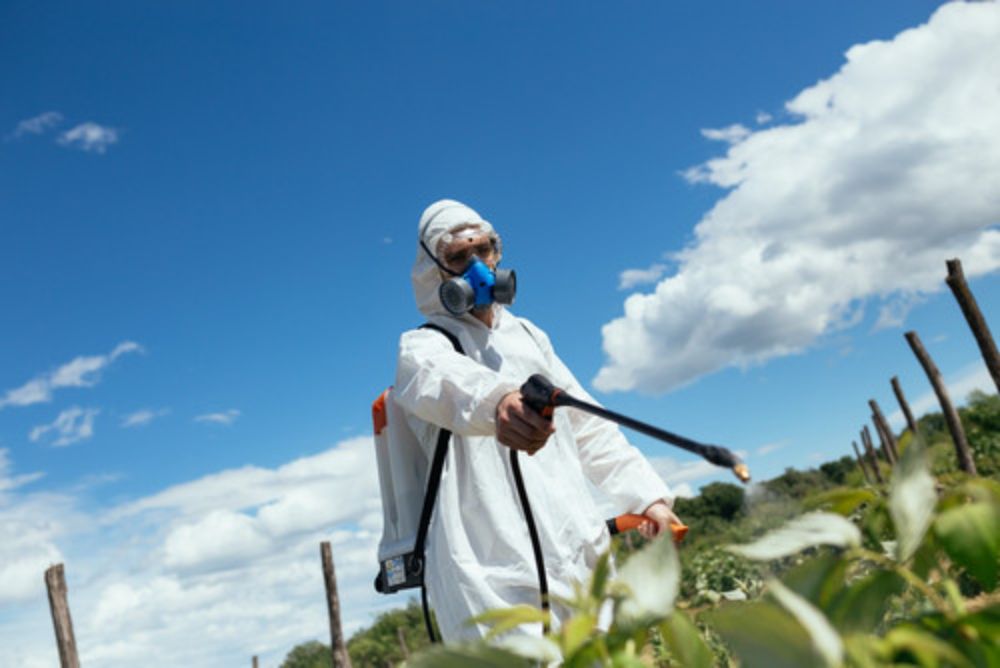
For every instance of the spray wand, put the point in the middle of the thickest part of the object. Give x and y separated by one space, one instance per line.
539 393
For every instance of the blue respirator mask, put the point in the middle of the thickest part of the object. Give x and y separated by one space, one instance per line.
477 287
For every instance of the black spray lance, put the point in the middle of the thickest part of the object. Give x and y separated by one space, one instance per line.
539 393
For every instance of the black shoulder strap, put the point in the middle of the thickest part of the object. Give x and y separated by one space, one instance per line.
451 337
430 494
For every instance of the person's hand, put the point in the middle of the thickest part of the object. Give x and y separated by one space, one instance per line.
660 518
519 426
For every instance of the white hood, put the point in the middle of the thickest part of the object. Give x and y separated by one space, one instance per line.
437 220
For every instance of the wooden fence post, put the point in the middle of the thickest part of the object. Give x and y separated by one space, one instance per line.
901 398
338 649
962 451
403 647
55 582
861 463
866 441
255 662
884 430
988 348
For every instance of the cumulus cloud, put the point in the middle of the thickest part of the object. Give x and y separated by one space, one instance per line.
37 124
142 417
226 417
235 552
89 137
888 169
83 371
763 118
29 523
732 134
71 426
630 278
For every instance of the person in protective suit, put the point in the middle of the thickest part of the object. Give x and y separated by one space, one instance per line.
479 555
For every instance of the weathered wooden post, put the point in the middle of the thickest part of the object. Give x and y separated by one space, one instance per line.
55 582
866 441
255 662
962 451
861 463
403 647
901 398
337 647
885 431
980 330
883 449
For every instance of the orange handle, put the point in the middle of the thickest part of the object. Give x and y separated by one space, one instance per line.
630 521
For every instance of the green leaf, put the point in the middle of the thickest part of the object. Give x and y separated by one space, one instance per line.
818 579
911 500
599 580
843 500
652 577
970 534
684 642
763 635
824 638
463 656
576 631
502 620
808 530
531 647
864 651
861 606
927 649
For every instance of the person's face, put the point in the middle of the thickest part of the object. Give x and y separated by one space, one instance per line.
458 253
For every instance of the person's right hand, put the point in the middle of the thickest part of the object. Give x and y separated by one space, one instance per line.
519 426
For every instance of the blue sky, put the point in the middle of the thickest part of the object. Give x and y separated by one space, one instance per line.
207 219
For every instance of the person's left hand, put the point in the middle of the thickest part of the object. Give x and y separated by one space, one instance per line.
660 518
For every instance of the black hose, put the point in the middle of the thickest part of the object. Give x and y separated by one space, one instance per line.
536 544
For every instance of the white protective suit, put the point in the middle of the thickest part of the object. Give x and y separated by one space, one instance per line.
479 553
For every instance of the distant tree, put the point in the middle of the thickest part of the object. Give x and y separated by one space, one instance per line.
312 654
378 645
722 500
838 470
981 421
797 484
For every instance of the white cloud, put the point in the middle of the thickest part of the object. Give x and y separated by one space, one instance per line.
894 311
83 371
72 425
142 417
889 170
732 134
763 118
89 137
768 448
633 277
676 473
227 417
231 559
37 125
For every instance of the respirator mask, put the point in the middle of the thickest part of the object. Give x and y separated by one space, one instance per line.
478 285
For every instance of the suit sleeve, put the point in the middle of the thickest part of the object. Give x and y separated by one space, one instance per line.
446 388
